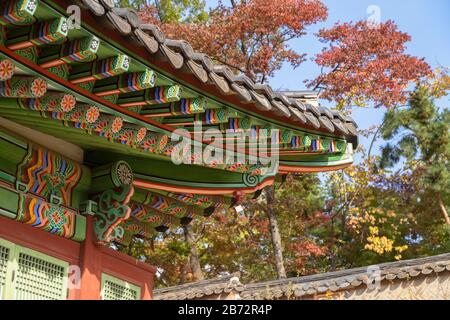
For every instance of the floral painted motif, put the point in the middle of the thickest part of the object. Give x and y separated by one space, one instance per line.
117 125
92 115
141 134
68 102
6 70
38 87
40 214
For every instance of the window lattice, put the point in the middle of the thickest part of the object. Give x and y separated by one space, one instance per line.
4 256
114 291
38 279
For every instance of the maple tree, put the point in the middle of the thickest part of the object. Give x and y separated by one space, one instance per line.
367 65
251 37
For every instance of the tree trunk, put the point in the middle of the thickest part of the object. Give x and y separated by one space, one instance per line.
443 210
194 260
275 233
184 272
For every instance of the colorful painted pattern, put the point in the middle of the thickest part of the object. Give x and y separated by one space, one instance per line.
163 94
61 71
111 67
46 173
137 228
333 147
82 116
81 50
137 81
29 53
265 132
155 143
23 87
18 12
341 146
58 102
131 136
237 124
113 210
188 106
317 145
141 134
108 127
6 69
306 141
149 216
296 142
285 136
167 206
40 214
214 116
51 32
202 201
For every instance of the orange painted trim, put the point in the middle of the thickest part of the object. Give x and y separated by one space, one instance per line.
84 79
206 191
53 63
107 93
21 45
157 115
133 104
284 169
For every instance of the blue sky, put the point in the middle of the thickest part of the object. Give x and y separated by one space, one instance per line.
427 22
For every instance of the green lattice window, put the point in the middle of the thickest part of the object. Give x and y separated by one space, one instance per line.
29 275
4 257
117 289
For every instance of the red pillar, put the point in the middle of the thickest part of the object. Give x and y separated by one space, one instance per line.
91 265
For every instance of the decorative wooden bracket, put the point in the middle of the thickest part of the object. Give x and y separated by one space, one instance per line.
113 188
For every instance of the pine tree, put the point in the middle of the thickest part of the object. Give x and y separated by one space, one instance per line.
422 135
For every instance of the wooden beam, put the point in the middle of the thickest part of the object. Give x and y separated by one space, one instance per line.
76 51
18 12
43 33
127 83
102 69
23 87
157 95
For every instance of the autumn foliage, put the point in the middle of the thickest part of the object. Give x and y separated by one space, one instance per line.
249 36
367 64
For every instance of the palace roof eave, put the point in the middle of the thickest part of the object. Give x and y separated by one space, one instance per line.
135 37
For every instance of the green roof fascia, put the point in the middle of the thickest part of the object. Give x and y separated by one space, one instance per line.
210 185
346 159
164 171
